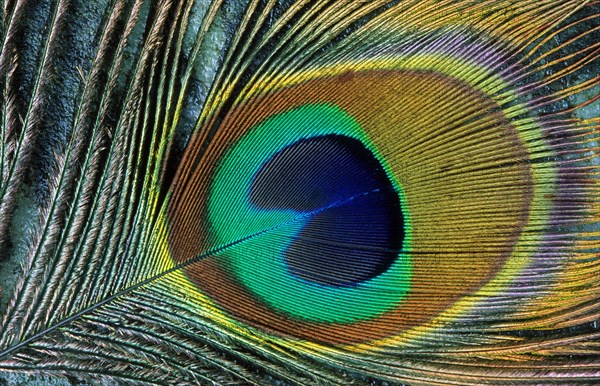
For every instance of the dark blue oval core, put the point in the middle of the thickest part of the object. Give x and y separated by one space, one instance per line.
356 226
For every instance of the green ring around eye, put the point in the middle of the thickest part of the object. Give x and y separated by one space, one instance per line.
259 265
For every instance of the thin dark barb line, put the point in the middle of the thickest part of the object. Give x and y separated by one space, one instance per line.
151 279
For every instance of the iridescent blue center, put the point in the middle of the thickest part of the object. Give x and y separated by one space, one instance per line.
356 225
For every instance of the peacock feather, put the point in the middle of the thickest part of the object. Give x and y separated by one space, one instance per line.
300 192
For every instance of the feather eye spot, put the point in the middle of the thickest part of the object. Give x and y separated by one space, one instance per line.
332 164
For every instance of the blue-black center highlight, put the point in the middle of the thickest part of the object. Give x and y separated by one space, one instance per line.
356 228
